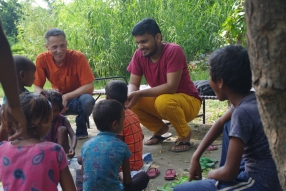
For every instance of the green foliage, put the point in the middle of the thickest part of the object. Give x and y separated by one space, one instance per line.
101 29
201 72
234 27
10 12
31 29
214 110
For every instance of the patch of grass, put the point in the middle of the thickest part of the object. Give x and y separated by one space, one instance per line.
30 89
214 110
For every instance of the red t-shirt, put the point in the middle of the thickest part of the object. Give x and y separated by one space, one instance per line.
172 59
133 137
72 74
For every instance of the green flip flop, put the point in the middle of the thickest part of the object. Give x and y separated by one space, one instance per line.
207 165
167 187
207 160
181 180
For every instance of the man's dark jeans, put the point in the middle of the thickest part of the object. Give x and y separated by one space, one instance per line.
82 107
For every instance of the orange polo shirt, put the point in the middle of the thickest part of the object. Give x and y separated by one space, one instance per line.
72 74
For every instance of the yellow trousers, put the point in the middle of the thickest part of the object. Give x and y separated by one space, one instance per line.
178 109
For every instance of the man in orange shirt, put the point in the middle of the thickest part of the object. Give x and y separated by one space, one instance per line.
69 72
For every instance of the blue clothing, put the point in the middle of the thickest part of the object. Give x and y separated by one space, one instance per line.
20 92
225 145
102 157
246 125
260 171
82 107
242 182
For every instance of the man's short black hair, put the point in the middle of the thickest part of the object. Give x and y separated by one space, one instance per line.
146 25
105 112
231 63
116 89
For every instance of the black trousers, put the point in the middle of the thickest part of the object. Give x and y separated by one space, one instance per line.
139 181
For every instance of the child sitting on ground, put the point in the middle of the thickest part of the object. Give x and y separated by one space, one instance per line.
25 70
29 163
61 126
103 155
132 133
243 136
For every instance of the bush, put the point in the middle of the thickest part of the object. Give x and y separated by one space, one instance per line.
102 29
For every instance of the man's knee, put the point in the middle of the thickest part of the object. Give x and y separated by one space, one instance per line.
87 102
86 99
137 106
163 104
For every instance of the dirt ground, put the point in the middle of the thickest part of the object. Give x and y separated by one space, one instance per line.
162 157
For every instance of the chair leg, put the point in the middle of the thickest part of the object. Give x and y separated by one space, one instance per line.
204 111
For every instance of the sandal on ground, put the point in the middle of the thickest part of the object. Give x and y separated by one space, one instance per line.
207 163
160 138
153 172
182 179
207 160
170 174
178 144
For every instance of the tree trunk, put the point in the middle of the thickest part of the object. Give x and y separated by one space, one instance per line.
266 42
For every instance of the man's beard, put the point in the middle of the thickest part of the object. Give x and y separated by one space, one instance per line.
155 48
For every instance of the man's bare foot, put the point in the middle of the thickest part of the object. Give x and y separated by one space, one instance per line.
157 137
182 144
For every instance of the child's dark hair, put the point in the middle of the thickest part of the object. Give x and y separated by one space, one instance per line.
54 97
231 63
105 112
147 25
117 90
38 112
23 64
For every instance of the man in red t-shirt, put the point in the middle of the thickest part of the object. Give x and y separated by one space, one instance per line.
172 95
69 72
